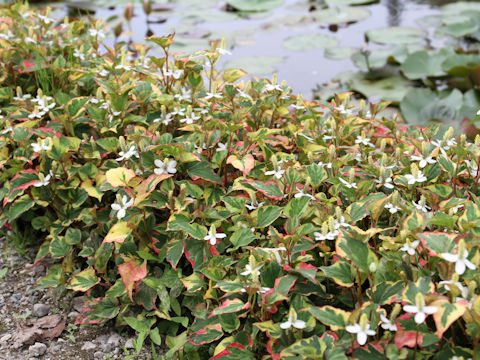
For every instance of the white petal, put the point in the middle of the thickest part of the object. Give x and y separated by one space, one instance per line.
410 308
158 163
121 213
469 264
353 329
371 332
213 240
159 171
129 203
361 338
299 324
116 207
286 325
450 257
430 309
420 317
220 235
460 267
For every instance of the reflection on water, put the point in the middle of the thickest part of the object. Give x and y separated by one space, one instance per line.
395 8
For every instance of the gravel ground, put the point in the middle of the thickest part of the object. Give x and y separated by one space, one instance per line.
22 304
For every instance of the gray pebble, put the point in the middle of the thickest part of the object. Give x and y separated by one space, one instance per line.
98 355
77 303
129 344
40 310
4 339
89 346
37 349
16 297
114 339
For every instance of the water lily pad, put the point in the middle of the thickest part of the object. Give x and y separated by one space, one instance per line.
340 15
430 21
309 41
255 65
350 2
457 26
421 64
460 6
380 57
395 35
338 53
195 16
255 5
189 45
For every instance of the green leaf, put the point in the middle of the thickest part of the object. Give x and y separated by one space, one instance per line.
193 283
309 41
341 272
207 335
266 215
84 280
447 314
438 242
137 325
297 207
310 348
73 236
118 232
202 170
242 237
356 251
340 15
230 306
385 293
421 64
59 247
268 188
181 221
174 251
20 206
395 35
255 5
331 316
317 174
414 221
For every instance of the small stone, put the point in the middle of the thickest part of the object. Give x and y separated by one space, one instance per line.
4 339
40 310
89 346
37 349
98 355
77 303
114 339
129 344
72 315
16 297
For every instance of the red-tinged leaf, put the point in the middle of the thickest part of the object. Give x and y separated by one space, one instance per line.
245 164
437 243
84 280
193 282
447 313
118 232
331 316
307 270
272 329
280 290
120 176
207 335
143 189
230 306
226 351
132 271
407 338
275 140
269 188
21 181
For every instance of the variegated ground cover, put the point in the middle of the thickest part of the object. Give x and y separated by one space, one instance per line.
233 220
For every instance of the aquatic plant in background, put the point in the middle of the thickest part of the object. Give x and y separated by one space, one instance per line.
233 220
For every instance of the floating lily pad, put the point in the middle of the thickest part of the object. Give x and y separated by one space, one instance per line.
340 15
195 16
430 21
421 64
189 45
309 41
380 57
350 2
457 26
255 65
338 53
460 6
395 35
255 5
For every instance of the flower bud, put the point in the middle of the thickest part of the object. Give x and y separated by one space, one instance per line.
395 312
351 175
147 7
128 14
372 267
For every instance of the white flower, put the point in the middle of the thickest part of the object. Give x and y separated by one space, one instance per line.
123 67
271 87
223 51
185 95
364 140
293 321
276 253
340 223
211 95
446 146
165 167
392 208
461 261
190 119
30 40
43 145
122 207
44 182
127 155
362 330
297 107
7 130
387 324
348 184
419 309
213 236
331 235
178 111
45 19
249 270
254 205
423 161
263 290
96 33
221 147
387 182
300 194
36 113
78 54
327 165
175 74
343 110
410 247
165 120
104 72
277 171
421 207
306 137
243 94
412 179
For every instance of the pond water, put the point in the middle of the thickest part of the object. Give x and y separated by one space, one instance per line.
256 40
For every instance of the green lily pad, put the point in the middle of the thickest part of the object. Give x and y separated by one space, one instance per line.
309 41
430 21
457 26
380 57
196 16
340 15
395 35
338 53
460 6
462 65
255 5
421 64
255 65
350 2
422 106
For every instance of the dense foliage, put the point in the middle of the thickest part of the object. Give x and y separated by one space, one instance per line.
237 220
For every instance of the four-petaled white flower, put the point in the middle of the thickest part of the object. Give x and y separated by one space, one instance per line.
461 261
271 87
362 329
410 247
254 205
189 119
249 270
213 236
421 207
43 145
96 33
293 321
423 161
212 95
128 154
277 171
340 223
420 309
165 167
221 147
412 179
165 120
364 140
122 207
387 182
348 184
328 165
243 94
300 194
223 51
123 67
77 53
392 208
387 324
331 235
44 182
175 74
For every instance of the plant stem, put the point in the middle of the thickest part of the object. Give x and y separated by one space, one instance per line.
416 344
